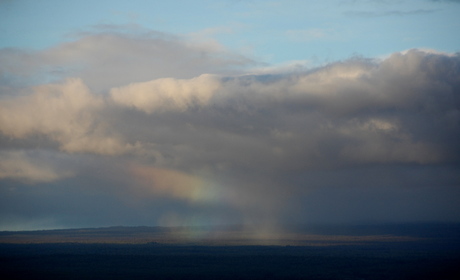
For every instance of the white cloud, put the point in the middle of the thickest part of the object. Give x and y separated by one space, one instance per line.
66 113
167 94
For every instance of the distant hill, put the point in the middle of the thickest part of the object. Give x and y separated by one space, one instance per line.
398 252
239 235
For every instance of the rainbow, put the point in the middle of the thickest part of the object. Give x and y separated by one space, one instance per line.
178 185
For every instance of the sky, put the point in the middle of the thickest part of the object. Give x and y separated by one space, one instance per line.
267 113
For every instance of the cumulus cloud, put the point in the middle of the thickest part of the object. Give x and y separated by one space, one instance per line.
66 113
167 93
348 112
401 109
252 142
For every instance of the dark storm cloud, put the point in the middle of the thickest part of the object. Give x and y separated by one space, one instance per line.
202 146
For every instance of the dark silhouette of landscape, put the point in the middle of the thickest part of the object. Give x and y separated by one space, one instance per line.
414 251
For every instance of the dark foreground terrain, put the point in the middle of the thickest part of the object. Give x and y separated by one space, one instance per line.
417 252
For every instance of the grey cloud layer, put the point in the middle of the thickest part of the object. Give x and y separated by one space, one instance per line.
403 109
174 142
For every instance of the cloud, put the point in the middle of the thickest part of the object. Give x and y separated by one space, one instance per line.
357 111
364 110
66 113
29 168
110 56
166 94
253 147
175 184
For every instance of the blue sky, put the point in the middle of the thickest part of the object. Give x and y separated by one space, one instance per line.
254 112
270 31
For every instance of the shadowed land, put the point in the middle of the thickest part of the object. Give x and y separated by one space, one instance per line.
197 236
239 235
360 252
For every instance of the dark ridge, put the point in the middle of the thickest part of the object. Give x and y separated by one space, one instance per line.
239 235
410 251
